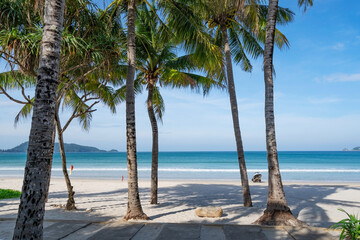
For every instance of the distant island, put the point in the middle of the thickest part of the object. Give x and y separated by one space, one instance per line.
354 149
69 147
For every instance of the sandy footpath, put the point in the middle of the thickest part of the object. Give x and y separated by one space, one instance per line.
102 200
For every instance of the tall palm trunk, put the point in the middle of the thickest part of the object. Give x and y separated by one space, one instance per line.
50 165
155 144
70 204
134 209
235 117
29 222
277 211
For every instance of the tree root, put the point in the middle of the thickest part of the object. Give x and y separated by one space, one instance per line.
70 205
138 216
279 218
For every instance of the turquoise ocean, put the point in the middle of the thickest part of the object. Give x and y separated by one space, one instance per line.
295 166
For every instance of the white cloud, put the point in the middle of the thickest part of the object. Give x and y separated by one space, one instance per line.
323 100
340 77
338 46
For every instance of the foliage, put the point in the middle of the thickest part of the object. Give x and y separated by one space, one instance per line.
245 21
92 48
158 63
8 193
350 226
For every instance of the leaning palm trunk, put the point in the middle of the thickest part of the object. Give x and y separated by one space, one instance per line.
155 145
29 222
235 117
70 204
277 211
134 209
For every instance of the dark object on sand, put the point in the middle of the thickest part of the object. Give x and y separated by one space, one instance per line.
256 177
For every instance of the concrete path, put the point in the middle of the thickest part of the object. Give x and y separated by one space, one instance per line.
78 230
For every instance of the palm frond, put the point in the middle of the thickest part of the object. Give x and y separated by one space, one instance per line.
16 79
24 112
159 105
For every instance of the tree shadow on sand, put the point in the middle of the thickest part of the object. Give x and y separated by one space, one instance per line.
310 203
302 203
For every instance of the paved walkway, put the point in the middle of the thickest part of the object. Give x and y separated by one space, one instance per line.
78 230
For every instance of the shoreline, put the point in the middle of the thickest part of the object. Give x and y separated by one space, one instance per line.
315 203
204 181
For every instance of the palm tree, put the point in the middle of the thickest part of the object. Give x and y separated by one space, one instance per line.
134 210
157 63
237 26
222 20
29 222
82 99
277 210
88 62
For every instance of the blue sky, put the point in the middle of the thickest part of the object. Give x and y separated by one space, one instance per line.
316 97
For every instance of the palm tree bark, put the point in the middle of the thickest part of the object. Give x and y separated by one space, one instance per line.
134 209
70 204
235 117
50 165
29 222
277 211
155 144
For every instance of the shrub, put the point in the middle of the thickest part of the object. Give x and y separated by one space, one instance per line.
350 227
8 193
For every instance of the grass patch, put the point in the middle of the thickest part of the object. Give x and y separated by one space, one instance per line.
8 193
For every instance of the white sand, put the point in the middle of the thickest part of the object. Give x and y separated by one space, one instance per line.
314 203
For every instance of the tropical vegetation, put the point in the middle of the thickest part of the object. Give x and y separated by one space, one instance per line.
88 64
277 211
237 28
159 66
77 55
350 226
40 150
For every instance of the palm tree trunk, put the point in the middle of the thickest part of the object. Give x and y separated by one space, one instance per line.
70 204
277 211
50 165
155 144
134 209
235 117
29 222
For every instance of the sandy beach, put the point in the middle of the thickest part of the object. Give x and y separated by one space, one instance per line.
103 200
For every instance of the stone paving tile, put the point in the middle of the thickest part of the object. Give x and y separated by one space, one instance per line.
62 229
86 232
75 230
276 233
209 232
180 231
233 232
310 234
149 232
7 228
118 231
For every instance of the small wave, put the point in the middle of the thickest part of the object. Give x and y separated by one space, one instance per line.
199 170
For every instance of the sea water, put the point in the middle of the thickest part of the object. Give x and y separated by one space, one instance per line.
294 166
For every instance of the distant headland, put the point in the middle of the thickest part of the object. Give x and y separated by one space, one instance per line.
69 147
354 149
